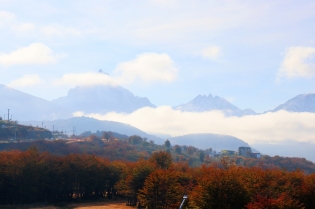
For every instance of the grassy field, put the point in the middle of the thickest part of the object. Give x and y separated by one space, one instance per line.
115 204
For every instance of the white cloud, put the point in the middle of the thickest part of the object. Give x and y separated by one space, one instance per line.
85 79
269 127
23 27
36 53
295 63
148 67
61 31
78 114
27 80
5 17
212 52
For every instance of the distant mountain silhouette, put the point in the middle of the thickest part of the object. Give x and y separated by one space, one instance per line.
300 103
208 103
215 141
24 106
102 99
79 125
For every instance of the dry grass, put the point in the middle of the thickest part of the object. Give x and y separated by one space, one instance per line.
115 204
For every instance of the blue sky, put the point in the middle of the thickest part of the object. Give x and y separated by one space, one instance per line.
255 54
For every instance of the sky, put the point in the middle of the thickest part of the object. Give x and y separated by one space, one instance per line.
254 54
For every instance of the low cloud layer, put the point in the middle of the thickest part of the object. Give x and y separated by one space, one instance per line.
297 62
36 53
270 127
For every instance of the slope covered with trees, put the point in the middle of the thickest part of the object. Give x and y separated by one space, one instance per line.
13 130
31 176
135 147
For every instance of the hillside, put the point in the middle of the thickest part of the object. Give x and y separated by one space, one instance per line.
134 148
27 107
214 141
79 125
12 130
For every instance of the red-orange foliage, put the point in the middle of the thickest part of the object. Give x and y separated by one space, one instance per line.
161 190
282 202
219 188
31 176
161 159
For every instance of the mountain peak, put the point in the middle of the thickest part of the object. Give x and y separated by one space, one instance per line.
203 103
299 103
102 99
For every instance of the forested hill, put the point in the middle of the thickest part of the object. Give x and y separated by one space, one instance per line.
12 130
134 148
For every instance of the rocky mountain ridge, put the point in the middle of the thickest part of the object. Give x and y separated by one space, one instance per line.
104 99
203 103
299 103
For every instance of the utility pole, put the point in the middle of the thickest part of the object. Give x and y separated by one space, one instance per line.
53 133
8 115
15 132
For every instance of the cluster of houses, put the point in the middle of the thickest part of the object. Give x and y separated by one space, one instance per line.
242 151
247 152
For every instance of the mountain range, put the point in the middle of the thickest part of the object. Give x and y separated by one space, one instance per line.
87 99
29 109
103 99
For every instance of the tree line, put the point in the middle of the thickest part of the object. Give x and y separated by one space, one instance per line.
133 148
157 182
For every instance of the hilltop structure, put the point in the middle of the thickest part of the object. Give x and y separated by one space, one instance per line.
247 152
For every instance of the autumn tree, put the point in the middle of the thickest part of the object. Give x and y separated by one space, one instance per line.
135 139
219 189
161 159
132 180
201 156
307 194
167 143
161 190
177 149
107 135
